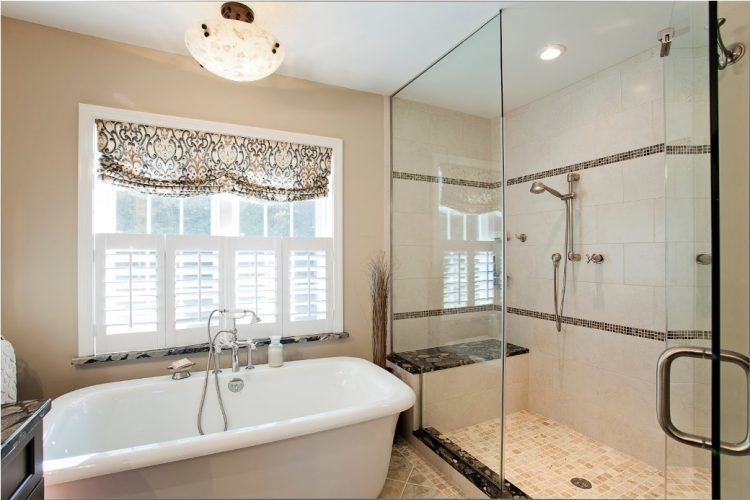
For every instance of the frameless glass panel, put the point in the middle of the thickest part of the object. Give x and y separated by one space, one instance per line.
688 244
447 242
584 195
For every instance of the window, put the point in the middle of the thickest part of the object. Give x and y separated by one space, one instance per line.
468 276
484 278
455 280
161 264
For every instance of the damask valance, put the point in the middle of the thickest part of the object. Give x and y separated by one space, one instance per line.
176 162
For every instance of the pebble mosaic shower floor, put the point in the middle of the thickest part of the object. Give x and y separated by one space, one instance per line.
543 456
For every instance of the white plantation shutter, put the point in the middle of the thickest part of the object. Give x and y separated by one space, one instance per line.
129 284
155 291
195 280
455 279
256 283
308 277
484 277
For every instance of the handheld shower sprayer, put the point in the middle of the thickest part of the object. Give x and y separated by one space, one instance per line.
232 315
538 187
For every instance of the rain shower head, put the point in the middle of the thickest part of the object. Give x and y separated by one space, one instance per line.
539 187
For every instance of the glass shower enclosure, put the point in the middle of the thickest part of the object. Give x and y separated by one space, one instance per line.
490 145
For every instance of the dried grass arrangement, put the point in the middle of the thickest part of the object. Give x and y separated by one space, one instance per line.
380 288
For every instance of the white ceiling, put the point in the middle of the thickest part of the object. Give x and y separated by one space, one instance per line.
370 46
377 47
596 34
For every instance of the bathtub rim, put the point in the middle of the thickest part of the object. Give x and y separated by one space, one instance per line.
94 464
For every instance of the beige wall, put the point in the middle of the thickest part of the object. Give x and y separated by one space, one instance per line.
45 74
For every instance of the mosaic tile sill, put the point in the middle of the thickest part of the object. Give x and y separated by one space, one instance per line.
18 419
472 469
195 349
451 356
446 312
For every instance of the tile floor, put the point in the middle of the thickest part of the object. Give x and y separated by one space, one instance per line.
409 476
543 455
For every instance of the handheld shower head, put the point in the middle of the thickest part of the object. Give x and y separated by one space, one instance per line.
235 314
538 187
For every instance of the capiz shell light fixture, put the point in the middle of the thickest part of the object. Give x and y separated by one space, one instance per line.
233 47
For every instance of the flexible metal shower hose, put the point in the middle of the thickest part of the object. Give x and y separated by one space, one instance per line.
555 265
216 378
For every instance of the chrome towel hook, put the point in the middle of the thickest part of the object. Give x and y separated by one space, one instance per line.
727 55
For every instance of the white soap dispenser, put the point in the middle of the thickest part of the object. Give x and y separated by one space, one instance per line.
275 352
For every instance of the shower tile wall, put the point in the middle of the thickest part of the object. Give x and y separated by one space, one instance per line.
432 221
598 382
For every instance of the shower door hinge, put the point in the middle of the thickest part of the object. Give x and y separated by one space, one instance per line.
665 37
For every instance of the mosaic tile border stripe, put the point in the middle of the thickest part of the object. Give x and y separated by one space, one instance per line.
687 149
447 180
597 162
195 349
481 476
598 325
621 329
671 149
689 335
446 312
608 160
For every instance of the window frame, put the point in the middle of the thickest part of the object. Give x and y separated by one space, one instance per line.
87 114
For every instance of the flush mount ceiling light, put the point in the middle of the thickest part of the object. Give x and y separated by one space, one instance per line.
233 47
551 52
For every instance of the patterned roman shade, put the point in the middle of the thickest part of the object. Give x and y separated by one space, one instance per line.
177 162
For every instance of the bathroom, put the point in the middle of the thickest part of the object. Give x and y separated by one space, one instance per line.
411 250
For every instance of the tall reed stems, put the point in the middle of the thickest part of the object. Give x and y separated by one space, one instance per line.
380 287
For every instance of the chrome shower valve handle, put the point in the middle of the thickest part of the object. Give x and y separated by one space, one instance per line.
596 258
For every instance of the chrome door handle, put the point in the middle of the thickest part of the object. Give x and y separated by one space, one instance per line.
663 408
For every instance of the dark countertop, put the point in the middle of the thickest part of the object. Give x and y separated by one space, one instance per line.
453 355
18 418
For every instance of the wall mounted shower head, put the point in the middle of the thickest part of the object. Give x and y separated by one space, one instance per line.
539 187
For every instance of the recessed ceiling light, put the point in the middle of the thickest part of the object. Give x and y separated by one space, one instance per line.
550 52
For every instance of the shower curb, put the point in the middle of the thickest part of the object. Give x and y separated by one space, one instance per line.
481 476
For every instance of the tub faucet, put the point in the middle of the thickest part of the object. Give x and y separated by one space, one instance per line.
234 343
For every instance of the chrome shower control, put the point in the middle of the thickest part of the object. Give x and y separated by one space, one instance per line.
596 258
703 259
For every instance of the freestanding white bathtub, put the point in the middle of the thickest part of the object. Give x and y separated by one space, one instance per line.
318 428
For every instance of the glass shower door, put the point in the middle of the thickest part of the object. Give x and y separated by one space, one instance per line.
702 393
688 247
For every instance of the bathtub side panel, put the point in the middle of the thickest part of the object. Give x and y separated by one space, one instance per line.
348 462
